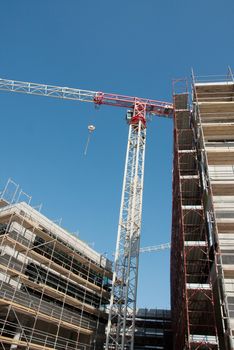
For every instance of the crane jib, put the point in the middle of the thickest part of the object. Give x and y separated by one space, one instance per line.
98 98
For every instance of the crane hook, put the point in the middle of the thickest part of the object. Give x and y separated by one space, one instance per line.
91 129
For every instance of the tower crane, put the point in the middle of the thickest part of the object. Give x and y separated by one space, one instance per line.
120 333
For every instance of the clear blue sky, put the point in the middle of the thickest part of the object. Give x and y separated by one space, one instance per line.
133 47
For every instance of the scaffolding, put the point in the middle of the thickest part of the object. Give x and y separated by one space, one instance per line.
214 117
53 287
192 299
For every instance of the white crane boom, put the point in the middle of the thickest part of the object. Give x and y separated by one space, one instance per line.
155 248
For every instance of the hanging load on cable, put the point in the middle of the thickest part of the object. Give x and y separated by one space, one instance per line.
91 129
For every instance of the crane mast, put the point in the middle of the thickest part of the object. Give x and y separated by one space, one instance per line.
121 320
121 325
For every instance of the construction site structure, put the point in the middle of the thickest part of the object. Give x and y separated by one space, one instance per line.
153 329
202 247
53 287
120 332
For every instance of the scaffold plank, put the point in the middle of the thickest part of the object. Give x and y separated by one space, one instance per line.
21 343
51 291
47 262
29 311
5 217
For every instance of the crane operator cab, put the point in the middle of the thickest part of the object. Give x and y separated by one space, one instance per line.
129 115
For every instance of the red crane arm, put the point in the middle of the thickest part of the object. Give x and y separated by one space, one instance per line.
152 106
99 98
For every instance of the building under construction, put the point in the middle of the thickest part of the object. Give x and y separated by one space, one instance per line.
53 287
202 253
153 329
